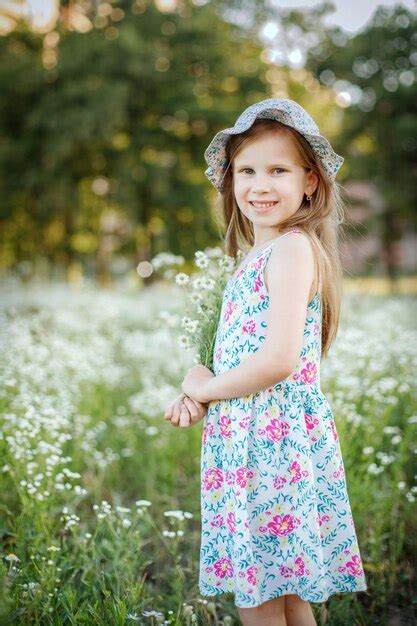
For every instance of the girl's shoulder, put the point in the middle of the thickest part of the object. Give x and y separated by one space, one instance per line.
293 255
295 240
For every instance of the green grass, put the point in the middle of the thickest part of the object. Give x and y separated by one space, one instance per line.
87 377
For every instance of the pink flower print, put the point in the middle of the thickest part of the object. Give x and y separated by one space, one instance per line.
223 567
309 373
339 473
256 283
281 525
230 477
333 427
279 482
285 571
219 353
316 329
310 421
295 472
213 478
276 430
217 521
300 566
354 566
225 426
245 422
251 574
249 327
230 307
322 519
295 376
231 521
207 431
242 474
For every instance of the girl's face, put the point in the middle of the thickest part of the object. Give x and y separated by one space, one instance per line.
269 183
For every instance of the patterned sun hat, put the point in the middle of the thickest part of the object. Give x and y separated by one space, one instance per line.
284 110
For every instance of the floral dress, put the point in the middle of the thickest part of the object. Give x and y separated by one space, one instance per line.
275 512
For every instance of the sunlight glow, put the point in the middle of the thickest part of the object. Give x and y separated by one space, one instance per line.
166 6
42 14
270 30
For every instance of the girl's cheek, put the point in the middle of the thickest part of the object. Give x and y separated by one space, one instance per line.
238 189
241 193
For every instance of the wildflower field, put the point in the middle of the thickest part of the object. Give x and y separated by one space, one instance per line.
100 503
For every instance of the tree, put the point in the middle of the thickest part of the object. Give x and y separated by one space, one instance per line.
116 120
375 73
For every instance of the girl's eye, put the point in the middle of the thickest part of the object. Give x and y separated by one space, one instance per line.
248 169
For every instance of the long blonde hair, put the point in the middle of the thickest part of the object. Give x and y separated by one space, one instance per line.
320 221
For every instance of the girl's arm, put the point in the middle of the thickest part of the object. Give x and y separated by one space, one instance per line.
291 275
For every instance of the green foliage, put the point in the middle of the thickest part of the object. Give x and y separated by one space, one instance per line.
136 109
82 420
379 129
103 132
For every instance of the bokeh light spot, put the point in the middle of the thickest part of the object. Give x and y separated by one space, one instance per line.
144 269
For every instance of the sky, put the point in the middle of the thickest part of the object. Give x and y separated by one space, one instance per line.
351 15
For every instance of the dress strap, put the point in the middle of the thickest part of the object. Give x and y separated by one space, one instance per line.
294 230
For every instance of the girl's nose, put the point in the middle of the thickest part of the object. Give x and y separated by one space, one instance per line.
259 185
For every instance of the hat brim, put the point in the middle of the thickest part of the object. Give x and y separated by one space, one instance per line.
215 154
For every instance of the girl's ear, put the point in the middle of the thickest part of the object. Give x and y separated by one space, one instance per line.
311 182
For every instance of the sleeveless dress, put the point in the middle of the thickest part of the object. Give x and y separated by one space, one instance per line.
275 512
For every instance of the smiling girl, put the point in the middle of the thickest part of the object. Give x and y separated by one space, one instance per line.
277 527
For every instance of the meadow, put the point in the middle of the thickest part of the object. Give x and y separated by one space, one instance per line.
100 507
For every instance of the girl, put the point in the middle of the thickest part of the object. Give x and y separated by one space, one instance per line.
277 528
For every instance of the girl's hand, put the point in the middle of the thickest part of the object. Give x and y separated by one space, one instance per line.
185 412
195 382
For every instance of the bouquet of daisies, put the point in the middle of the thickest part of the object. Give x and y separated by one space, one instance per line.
204 289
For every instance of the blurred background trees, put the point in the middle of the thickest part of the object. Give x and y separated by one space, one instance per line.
106 111
378 68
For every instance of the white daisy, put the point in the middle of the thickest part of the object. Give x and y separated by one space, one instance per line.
182 279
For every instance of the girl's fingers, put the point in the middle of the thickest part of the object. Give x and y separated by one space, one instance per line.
199 405
176 413
196 412
192 409
168 412
184 416
184 411
201 410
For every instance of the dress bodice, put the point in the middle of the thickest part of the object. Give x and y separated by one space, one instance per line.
244 320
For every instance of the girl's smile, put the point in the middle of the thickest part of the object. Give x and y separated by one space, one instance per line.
263 207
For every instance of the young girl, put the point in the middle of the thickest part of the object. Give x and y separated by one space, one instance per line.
277 528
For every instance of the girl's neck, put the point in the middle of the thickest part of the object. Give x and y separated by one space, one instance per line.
260 244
